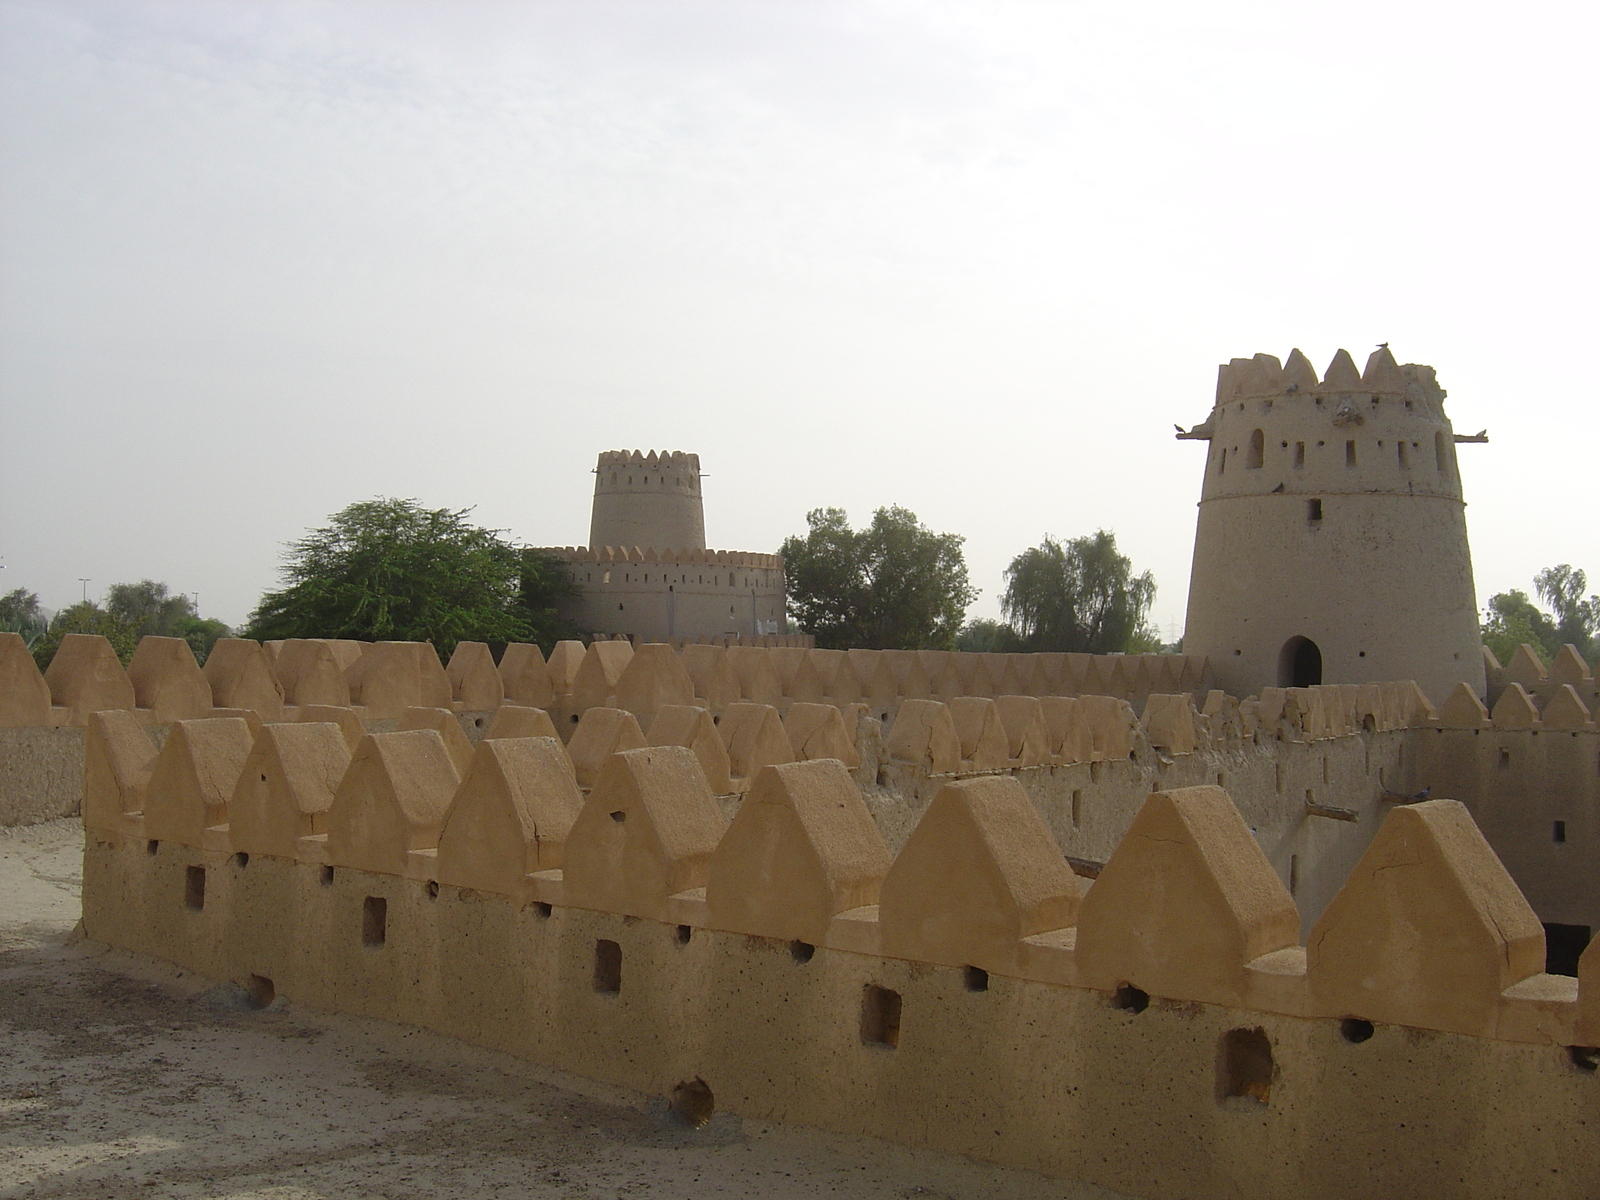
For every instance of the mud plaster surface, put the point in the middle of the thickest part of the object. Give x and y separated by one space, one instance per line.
123 1077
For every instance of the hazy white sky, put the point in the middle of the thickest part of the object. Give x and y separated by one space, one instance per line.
261 260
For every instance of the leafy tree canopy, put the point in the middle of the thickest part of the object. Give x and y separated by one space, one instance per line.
19 607
148 608
895 585
981 635
1079 596
1513 618
20 613
86 617
392 570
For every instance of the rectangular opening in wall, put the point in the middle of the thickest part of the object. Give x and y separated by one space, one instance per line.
1349 454
374 921
1244 1066
880 1016
1558 833
607 967
1404 460
1563 946
1505 760
1314 511
1077 807
1294 874
1300 455
194 888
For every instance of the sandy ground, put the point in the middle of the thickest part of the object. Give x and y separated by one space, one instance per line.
124 1077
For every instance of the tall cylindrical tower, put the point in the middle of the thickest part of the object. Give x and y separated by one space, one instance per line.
1331 545
651 501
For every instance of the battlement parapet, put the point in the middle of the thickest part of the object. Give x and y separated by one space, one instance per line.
648 831
669 557
674 460
1264 377
639 935
384 679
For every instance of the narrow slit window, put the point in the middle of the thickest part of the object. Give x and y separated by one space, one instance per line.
1349 454
194 888
880 1016
1314 511
607 967
374 921
1300 455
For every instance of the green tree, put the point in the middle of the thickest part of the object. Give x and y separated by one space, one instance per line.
1079 596
392 570
148 608
20 613
543 591
1513 618
201 633
895 585
1577 618
984 636
86 617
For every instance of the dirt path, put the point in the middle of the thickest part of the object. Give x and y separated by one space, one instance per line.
121 1077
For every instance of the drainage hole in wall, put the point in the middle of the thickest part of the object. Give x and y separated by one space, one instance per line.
433 889
1585 1058
1354 1029
1130 999
241 860
685 932
619 816
880 1016
1244 1065
975 978
194 888
327 876
151 846
693 1104
607 967
543 909
801 952
259 992
374 921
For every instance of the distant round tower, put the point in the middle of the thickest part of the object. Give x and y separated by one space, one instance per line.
650 501
1331 545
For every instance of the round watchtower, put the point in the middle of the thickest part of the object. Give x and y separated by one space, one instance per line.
651 501
1331 544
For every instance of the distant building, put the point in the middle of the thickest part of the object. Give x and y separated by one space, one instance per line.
646 572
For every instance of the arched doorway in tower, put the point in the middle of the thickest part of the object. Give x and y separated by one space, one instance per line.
1299 663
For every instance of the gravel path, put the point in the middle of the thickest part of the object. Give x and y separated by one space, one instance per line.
122 1077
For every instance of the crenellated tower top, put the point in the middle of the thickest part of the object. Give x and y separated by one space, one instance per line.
648 500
